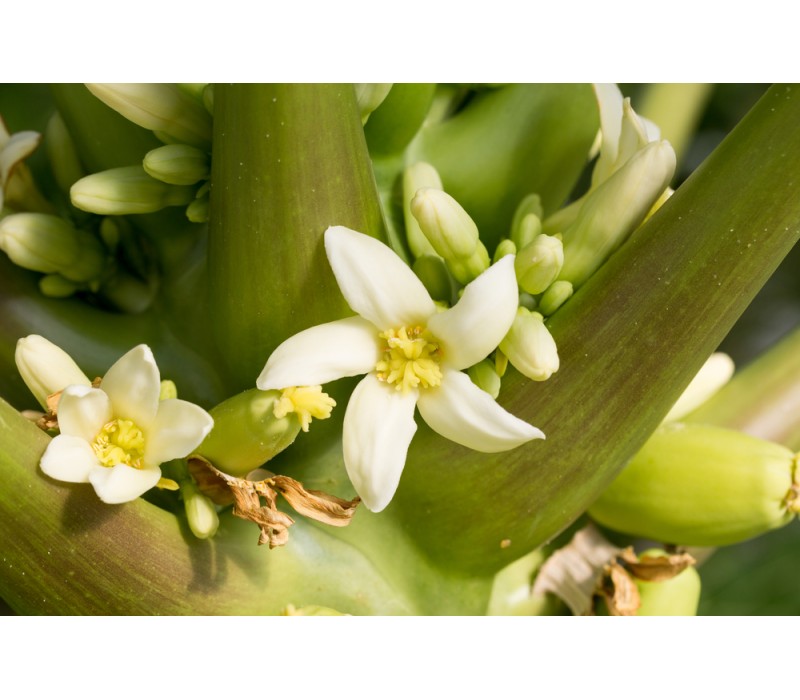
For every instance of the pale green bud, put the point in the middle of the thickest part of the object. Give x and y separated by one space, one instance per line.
537 265
61 153
45 368
369 97
128 190
433 274
56 286
530 347
529 229
168 390
197 211
110 231
612 211
484 375
178 164
39 242
554 296
532 204
467 269
679 595
504 247
158 107
200 511
447 226
246 432
416 177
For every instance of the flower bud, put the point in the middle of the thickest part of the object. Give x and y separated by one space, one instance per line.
158 107
200 511
90 262
701 485
415 178
45 368
369 97
246 432
504 247
448 228
56 286
168 390
530 226
484 375
61 153
537 265
178 164
614 209
713 375
532 204
530 347
128 190
39 242
433 274
554 296
679 595
197 211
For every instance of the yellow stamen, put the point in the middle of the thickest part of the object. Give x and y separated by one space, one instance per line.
306 401
410 359
120 442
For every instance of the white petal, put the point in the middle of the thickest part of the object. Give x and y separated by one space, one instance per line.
321 354
378 427
376 283
83 411
713 375
481 318
121 483
133 384
68 458
178 429
465 414
609 101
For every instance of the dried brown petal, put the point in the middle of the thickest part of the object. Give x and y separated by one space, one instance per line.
620 592
318 505
656 568
210 480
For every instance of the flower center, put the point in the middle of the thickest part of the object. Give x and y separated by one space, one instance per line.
120 441
410 359
306 401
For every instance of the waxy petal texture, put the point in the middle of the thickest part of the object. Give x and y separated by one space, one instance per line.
178 429
133 384
83 411
69 458
378 427
121 483
465 414
376 283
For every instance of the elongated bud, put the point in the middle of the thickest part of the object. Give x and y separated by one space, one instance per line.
451 232
56 286
369 97
416 177
39 242
537 265
532 204
713 375
197 211
62 154
504 247
128 190
45 368
679 595
612 211
158 107
530 347
433 274
554 296
200 511
178 164
484 375
528 229
701 485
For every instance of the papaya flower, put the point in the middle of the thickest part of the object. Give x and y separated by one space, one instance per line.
412 355
117 436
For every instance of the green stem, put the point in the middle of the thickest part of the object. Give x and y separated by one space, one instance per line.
630 341
289 161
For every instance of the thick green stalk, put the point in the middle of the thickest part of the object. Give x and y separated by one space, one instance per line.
630 341
288 161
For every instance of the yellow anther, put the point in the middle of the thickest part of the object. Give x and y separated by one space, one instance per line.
410 359
306 401
120 442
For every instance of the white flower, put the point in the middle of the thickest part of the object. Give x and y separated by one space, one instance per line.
412 356
117 436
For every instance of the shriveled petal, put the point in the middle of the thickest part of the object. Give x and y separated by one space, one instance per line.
320 354
376 283
178 429
465 414
481 318
69 458
121 483
378 427
133 384
83 411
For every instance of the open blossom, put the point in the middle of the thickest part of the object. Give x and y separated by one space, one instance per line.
117 435
412 355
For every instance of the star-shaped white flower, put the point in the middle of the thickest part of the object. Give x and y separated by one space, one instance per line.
116 436
412 355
